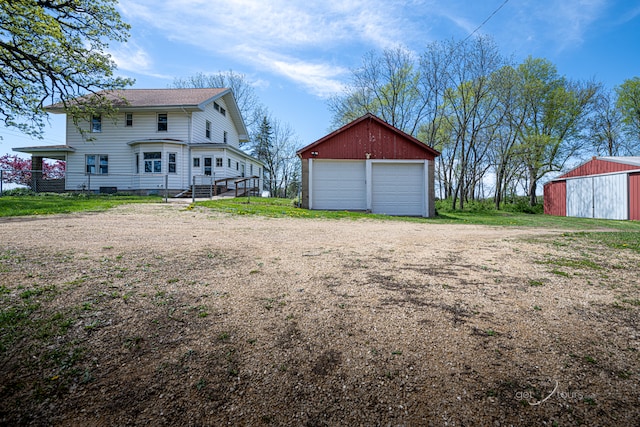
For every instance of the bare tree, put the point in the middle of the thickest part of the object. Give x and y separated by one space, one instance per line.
606 127
244 93
386 85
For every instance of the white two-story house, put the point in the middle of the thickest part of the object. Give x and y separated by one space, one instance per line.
160 139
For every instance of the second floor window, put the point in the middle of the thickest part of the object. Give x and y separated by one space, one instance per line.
96 124
224 136
162 122
128 119
207 129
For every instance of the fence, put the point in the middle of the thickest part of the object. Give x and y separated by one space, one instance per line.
36 181
204 186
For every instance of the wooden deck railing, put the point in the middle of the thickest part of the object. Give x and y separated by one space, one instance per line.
243 189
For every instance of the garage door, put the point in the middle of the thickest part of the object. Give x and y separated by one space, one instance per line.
398 189
338 184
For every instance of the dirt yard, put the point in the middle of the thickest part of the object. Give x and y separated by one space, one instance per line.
161 315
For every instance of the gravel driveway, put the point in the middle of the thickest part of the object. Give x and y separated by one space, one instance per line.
178 316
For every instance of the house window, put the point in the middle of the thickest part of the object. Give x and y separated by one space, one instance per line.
224 136
251 169
218 162
242 171
153 162
196 162
97 164
96 124
223 111
162 122
216 106
172 163
237 166
207 129
128 119
137 162
228 163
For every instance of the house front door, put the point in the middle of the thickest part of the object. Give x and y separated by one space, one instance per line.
208 165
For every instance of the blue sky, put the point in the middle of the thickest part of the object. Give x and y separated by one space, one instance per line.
297 54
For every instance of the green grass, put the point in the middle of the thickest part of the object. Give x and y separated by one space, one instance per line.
285 208
46 204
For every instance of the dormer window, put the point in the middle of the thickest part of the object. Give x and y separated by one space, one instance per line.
96 124
162 122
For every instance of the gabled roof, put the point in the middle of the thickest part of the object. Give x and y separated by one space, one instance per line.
370 117
185 99
602 166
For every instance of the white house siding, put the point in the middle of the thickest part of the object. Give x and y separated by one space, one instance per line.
113 140
601 196
219 124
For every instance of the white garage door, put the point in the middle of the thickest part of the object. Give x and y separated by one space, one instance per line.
338 184
398 189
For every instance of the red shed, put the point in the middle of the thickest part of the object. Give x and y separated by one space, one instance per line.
369 165
603 187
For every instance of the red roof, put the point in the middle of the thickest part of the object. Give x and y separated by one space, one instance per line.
368 137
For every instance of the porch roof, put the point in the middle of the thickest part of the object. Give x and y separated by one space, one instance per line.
56 152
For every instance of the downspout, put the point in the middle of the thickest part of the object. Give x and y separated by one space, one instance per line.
190 118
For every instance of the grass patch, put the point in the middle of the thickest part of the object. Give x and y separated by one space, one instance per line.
46 203
285 208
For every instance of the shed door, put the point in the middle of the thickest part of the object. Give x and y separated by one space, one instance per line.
338 184
398 189
610 196
603 197
580 197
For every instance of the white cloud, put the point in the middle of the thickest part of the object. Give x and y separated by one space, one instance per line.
290 39
130 57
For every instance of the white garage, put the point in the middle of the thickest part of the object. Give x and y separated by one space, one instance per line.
371 166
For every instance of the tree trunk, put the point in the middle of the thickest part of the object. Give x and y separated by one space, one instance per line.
533 187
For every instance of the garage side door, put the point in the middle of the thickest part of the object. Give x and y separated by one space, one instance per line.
338 185
398 189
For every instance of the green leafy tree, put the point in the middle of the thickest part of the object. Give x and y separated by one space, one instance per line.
629 104
554 114
55 51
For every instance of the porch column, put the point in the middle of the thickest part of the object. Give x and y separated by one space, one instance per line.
36 172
